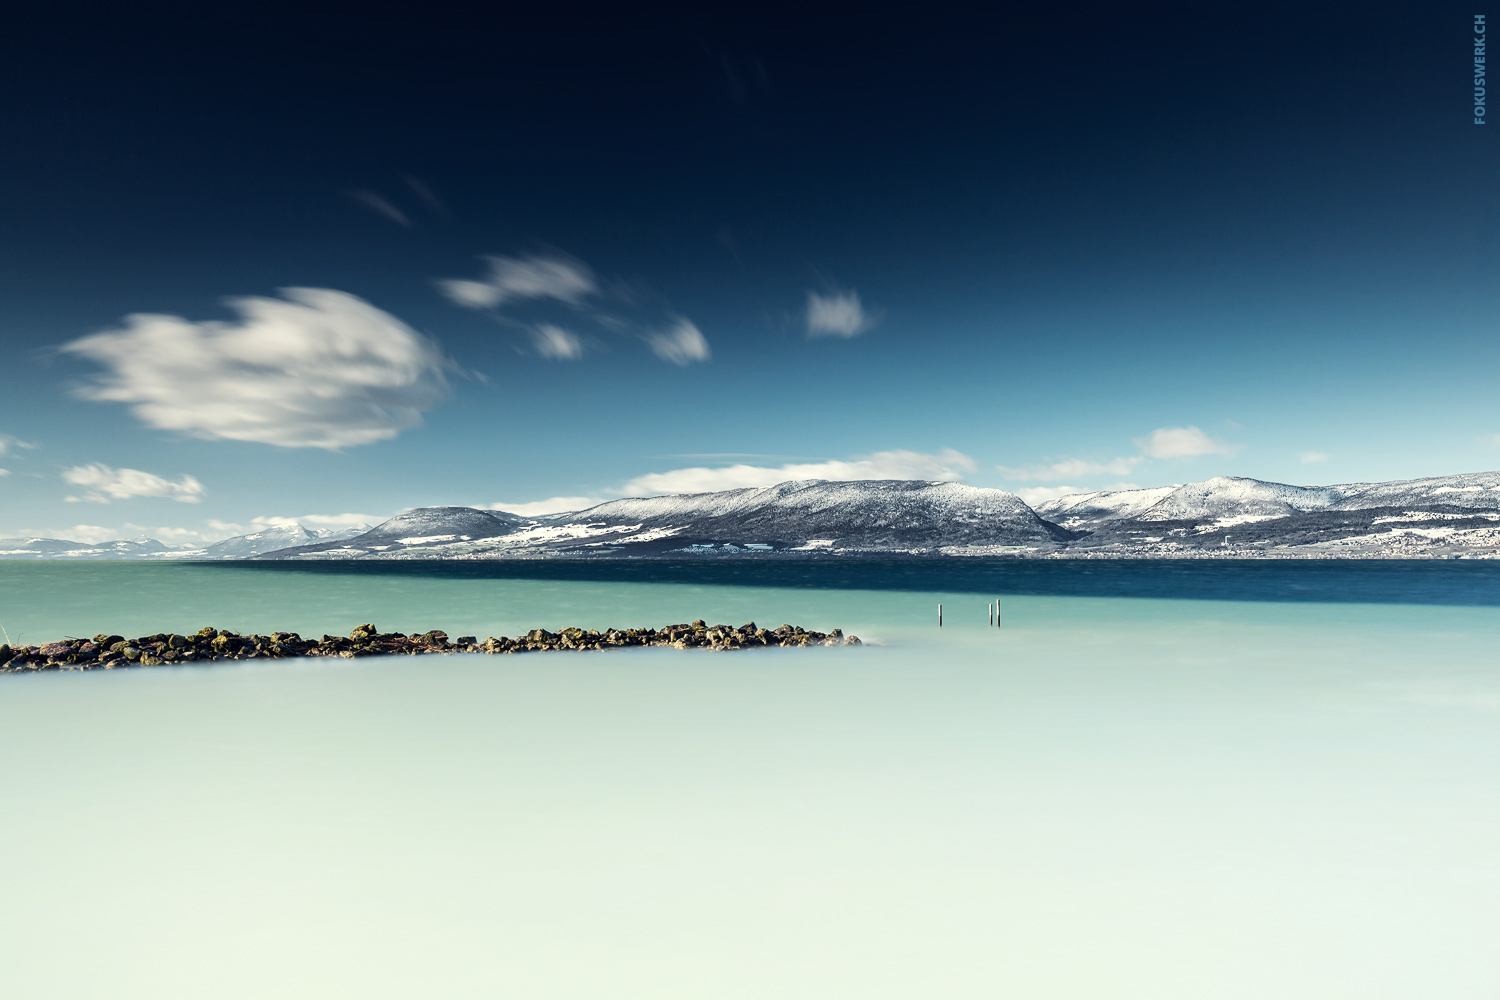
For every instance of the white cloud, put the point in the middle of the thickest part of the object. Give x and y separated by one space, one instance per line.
1070 468
317 369
517 278
681 345
89 534
105 484
4 472
556 343
318 521
1164 442
946 466
1034 495
1181 442
172 536
1493 440
1308 457
839 314
552 505
570 281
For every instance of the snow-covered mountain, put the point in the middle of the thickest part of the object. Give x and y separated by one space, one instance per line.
238 547
1233 496
801 516
879 514
282 536
59 548
1229 516
1440 516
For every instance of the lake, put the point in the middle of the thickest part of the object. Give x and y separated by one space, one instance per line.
1155 780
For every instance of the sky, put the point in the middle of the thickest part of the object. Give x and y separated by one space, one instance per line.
325 263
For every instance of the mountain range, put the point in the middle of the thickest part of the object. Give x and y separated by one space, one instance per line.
1441 517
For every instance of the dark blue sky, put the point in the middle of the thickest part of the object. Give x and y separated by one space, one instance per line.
1054 248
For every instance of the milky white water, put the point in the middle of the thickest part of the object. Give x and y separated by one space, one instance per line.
1108 797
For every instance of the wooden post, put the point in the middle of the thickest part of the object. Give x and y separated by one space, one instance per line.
940 616
997 612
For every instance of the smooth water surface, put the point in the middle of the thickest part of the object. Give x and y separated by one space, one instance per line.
1108 797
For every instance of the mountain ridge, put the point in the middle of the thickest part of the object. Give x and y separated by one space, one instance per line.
1226 516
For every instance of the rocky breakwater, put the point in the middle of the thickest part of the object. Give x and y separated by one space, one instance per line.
108 652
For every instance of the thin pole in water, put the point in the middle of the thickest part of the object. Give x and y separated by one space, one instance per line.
997 612
991 609
940 616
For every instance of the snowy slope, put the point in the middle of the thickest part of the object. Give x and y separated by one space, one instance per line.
1234 496
1077 508
1475 491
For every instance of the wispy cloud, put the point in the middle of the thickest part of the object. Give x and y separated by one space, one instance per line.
1493 440
519 278
317 369
554 342
945 466
1308 457
426 195
103 484
681 345
381 206
1181 442
838 314
552 505
9 444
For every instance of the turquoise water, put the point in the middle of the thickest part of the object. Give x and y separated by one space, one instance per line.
1109 797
